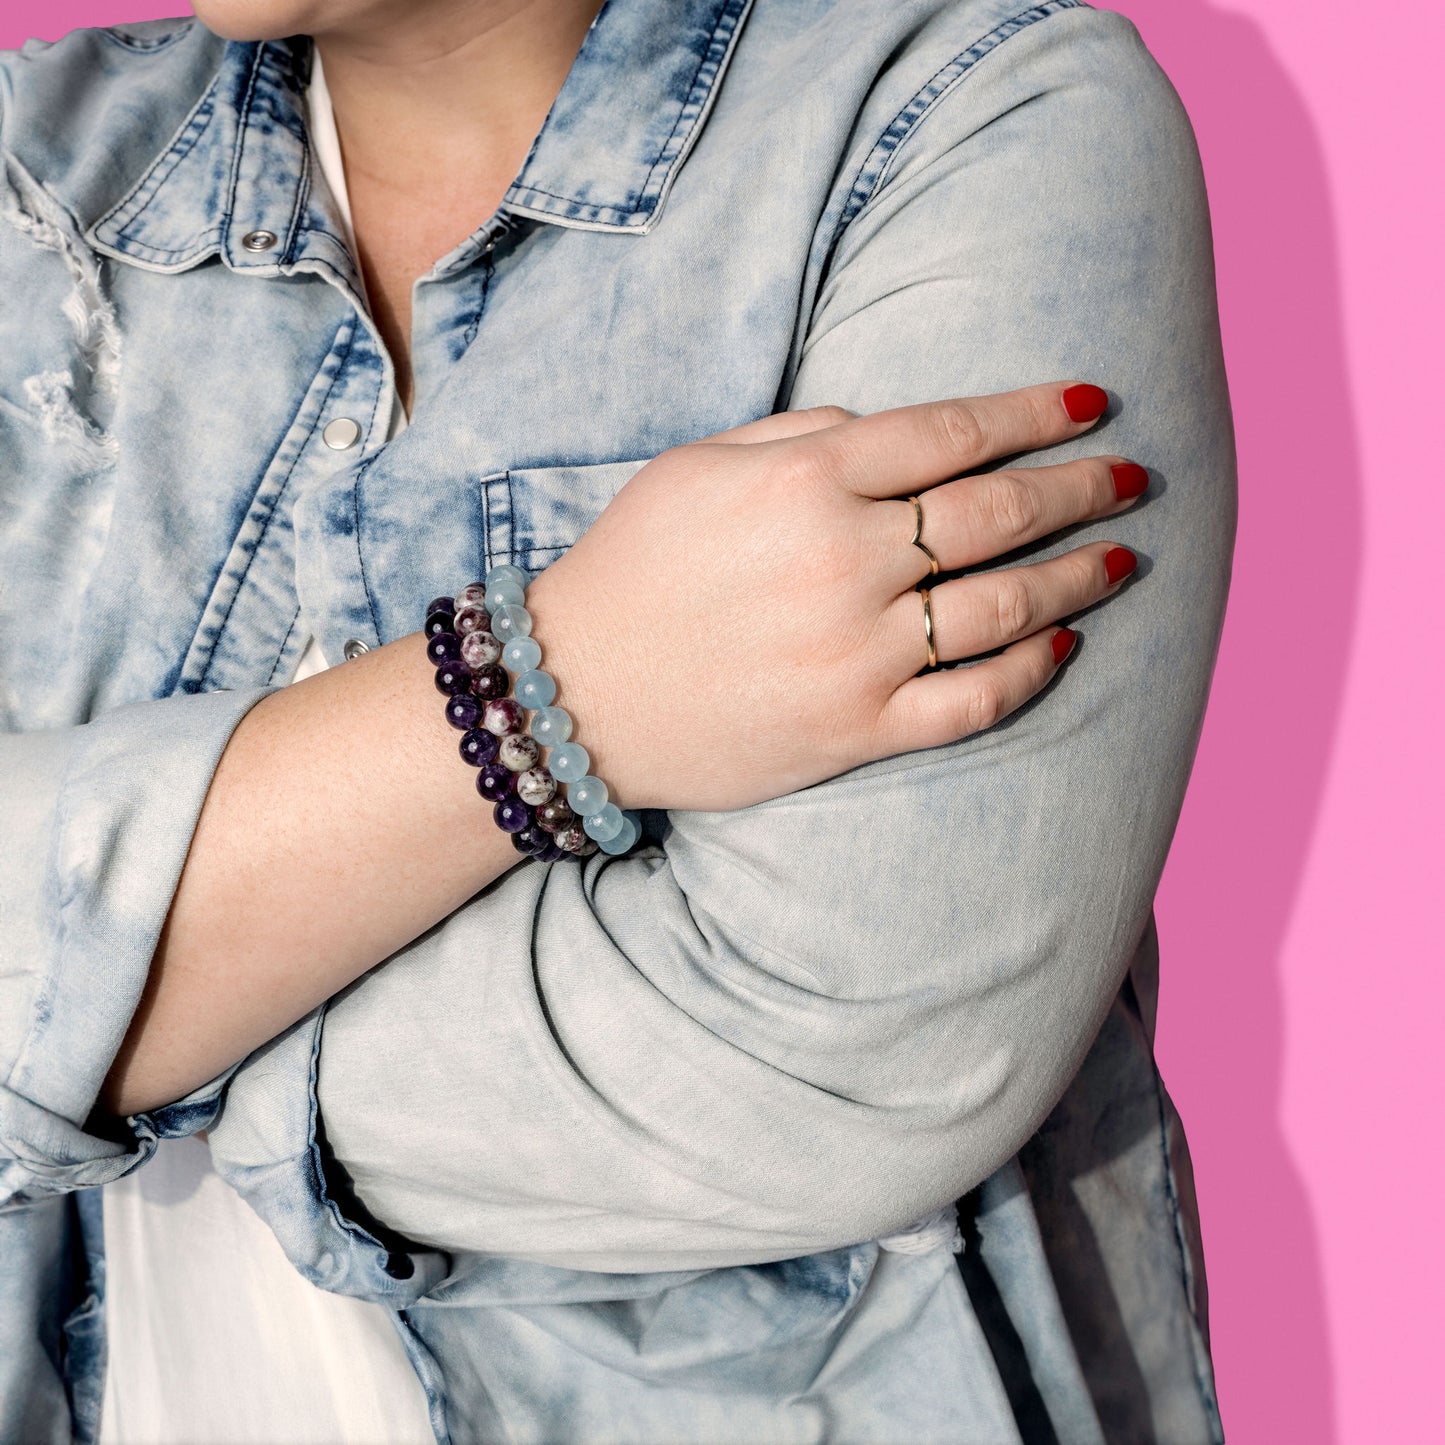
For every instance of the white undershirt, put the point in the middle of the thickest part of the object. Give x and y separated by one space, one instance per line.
214 1338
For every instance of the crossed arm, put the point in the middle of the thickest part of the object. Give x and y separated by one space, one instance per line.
806 1022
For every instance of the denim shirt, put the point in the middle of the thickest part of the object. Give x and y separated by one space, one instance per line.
615 1143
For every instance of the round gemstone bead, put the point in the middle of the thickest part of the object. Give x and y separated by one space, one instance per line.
454 677
489 681
587 795
521 654
442 604
572 838
438 622
604 824
474 594
535 689
478 746
553 854
505 592
531 840
536 785
505 569
511 621
463 711
495 781
519 752
551 725
554 814
480 649
588 848
627 835
512 815
568 761
444 647
503 715
471 619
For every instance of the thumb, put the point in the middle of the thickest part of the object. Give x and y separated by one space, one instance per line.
782 424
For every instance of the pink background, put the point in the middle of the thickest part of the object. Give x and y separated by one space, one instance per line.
1301 987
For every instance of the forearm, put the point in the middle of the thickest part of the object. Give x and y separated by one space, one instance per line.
340 825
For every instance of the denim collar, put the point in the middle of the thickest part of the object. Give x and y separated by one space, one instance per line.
632 105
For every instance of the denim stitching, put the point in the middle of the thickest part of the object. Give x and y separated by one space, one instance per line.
117 36
158 172
271 677
474 325
906 121
298 209
485 483
580 210
512 548
243 121
316 1175
356 481
271 512
1206 1394
710 59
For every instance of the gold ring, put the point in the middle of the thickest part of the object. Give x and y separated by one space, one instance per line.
915 539
928 626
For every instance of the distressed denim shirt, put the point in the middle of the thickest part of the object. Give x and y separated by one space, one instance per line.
615 1143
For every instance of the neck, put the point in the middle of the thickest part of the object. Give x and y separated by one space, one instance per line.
436 107
423 91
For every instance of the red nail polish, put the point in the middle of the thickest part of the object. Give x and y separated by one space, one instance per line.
1129 480
1064 640
1085 402
1119 562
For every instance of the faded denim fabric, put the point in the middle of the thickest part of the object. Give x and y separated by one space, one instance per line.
616 1143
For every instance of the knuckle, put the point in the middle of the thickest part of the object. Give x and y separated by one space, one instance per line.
983 704
1014 604
806 462
828 414
959 428
1013 506
1043 412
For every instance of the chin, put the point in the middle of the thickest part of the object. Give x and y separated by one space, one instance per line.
273 19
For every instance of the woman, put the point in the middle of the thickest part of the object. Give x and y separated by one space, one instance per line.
662 1146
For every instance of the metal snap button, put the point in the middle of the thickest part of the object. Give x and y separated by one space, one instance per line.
341 433
352 648
258 240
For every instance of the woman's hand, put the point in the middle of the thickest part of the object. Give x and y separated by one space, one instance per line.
742 620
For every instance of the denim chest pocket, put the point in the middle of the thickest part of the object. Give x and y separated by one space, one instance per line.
534 514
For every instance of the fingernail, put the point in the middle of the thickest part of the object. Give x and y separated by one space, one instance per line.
1129 480
1085 402
1119 562
1064 640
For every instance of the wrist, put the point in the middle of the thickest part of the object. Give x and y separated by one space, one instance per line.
595 685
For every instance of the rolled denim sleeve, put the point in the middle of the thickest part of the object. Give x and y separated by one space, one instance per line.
95 823
789 1027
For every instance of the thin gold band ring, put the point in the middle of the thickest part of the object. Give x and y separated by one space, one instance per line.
928 626
916 538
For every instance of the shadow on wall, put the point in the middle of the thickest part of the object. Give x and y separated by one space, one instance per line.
1230 888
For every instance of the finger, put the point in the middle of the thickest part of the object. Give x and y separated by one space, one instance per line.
783 424
973 615
893 453
942 707
974 519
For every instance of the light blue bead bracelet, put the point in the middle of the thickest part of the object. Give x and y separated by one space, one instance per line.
585 819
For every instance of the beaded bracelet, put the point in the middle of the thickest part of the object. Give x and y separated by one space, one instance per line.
475 639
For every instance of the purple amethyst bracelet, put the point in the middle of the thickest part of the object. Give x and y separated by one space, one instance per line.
473 639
